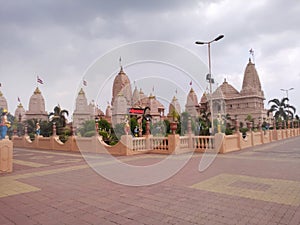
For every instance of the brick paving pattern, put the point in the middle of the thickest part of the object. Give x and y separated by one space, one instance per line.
260 185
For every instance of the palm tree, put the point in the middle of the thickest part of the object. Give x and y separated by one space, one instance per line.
281 109
205 117
58 116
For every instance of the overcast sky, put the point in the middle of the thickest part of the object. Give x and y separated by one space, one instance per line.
58 40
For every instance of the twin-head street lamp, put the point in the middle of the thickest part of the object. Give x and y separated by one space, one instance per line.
209 76
287 92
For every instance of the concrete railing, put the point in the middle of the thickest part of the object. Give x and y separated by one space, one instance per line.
159 143
139 144
237 142
172 144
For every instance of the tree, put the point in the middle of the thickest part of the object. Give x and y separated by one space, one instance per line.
205 117
174 115
87 129
59 116
184 122
281 109
104 125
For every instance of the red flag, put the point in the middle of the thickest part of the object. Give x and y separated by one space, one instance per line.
191 82
0 85
19 100
84 82
39 80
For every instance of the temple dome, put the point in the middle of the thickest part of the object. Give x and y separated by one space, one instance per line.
3 102
122 86
20 113
120 105
108 111
174 106
203 102
83 111
192 99
36 109
135 96
203 98
218 93
192 106
81 102
251 82
228 90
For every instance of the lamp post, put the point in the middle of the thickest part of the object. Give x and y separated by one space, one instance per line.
287 95
209 76
287 92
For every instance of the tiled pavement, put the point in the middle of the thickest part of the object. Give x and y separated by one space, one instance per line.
260 185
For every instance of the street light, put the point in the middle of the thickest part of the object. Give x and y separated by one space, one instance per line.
287 92
209 76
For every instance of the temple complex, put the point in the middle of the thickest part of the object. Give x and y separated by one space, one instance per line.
226 100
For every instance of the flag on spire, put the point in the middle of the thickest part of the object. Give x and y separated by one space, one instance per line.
84 82
251 51
19 100
191 83
39 80
0 84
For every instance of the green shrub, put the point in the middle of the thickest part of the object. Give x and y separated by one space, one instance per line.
90 133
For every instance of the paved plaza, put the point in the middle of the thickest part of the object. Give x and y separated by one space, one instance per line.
260 185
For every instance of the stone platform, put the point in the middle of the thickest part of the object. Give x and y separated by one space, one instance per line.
259 185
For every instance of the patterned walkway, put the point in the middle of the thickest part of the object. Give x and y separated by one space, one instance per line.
260 185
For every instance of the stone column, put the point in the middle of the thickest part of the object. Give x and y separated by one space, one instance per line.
54 130
249 126
26 130
126 140
189 128
237 126
173 143
6 155
73 131
259 125
97 128
147 127
173 127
